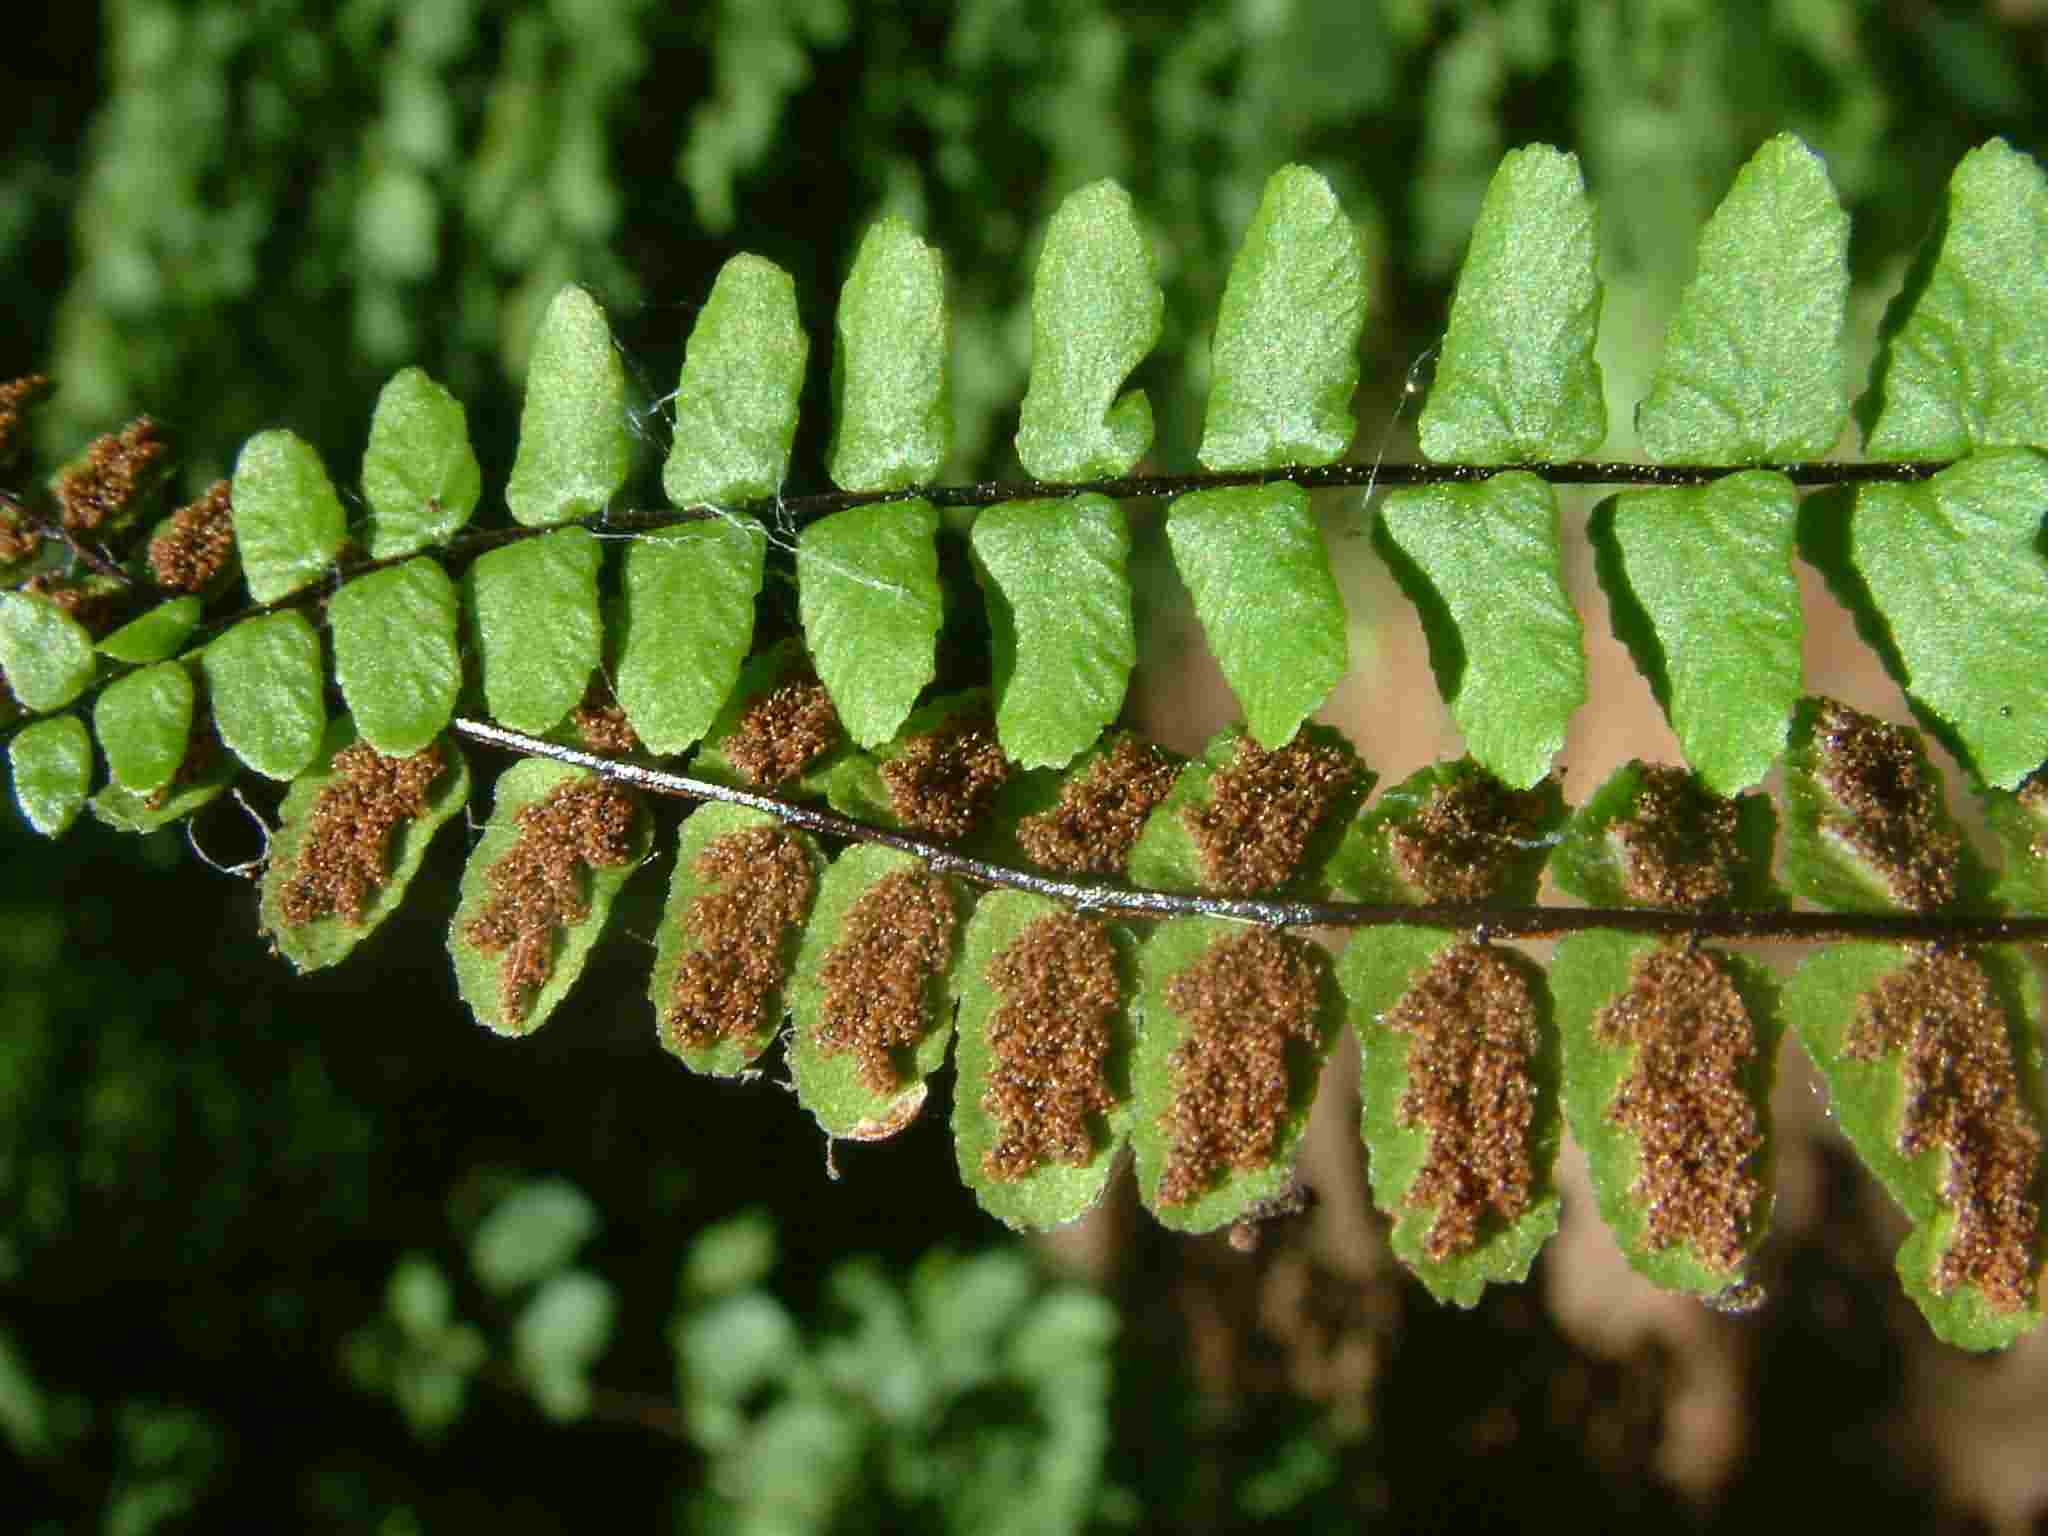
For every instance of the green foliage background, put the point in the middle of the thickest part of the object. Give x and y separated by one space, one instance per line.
243 215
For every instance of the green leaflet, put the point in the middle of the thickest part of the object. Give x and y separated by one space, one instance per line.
688 623
574 451
891 425
1377 970
1899 850
266 688
45 654
394 654
539 634
1590 972
1753 370
1700 585
1481 564
476 969
1449 832
328 940
420 476
1056 1192
1096 309
289 523
143 721
1235 1194
1061 634
1634 839
1828 1001
858 785
52 762
1965 360
1253 559
1516 381
1947 583
782 665
126 810
1285 357
155 635
2019 823
682 934
736 407
829 1083
1083 820
1168 857
868 591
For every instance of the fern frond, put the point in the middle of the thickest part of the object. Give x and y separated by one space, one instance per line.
1134 977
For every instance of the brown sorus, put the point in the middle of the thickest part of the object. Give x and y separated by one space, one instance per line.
896 938
116 469
17 398
196 543
942 781
96 601
1962 1095
1049 1038
601 722
1244 1001
538 885
757 887
1894 821
344 853
1679 846
1472 1021
19 538
1261 811
784 731
1100 812
1462 843
1696 1131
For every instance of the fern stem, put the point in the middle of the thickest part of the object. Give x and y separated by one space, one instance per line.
1538 922
794 512
1369 477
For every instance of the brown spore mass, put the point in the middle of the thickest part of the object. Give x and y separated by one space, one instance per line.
105 483
1680 846
784 731
1247 998
1263 808
942 782
537 886
96 601
1962 1094
896 938
1894 817
1472 1022
1696 1131
196 544
1101 812
18 397
19 538
601 721
1461 844
344 855
1050 1040
758 887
